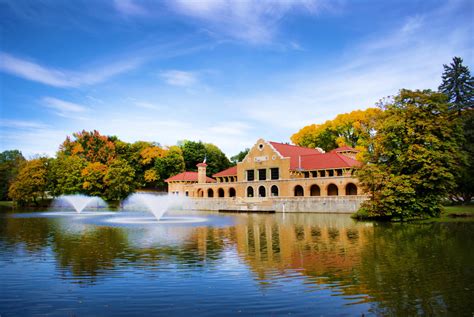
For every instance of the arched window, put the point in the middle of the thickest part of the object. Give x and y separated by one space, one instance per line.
232 192
200 193
210 192
274 190
220 192
351 189
299 191
262 192
315 190
333 190
250 191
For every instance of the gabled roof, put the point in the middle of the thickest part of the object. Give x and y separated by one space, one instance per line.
188 177
231 171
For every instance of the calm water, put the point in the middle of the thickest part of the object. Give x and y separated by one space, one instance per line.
246 264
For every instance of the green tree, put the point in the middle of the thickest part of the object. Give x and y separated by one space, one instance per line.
171 164
464 191
10 162
415 156
239 157
65 175
193 153
216 159
119 180
31 183
458 85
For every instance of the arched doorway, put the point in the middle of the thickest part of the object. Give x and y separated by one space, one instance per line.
210 193
200 193
299 191
232 192
250 191
262 192
351 189
333 190
220 192
274 190
315 190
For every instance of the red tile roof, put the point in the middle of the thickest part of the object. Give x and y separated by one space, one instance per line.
326 160
312 159
231 171
187 177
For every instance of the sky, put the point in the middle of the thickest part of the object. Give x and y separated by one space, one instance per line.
223 72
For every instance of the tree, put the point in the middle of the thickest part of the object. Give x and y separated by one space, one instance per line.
216 159
193 153
31 183
119 180
10 162
239 157
93 175
415 157
464 191
65 176
352 129
91 146
458 85
169 165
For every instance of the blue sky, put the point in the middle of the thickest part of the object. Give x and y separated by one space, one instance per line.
225 72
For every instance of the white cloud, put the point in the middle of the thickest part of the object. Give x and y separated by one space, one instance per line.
251 21
21 124
62 106
64 78
179 78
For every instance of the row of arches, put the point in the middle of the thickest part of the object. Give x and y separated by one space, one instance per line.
331 190
298 191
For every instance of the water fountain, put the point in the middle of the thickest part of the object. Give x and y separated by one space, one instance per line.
155 204
79 203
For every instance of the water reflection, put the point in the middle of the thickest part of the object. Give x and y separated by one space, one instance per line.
392 269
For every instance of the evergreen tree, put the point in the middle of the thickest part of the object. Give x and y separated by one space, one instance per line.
458 85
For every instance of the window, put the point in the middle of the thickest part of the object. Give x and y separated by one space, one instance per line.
306 174
323 173
275 173
262 174
250 175
314 174
274 190
262 192
187 194
249 191
331 173
339 172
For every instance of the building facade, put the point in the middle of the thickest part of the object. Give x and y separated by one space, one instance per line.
277 177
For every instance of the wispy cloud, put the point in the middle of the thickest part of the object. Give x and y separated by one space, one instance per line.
251 21
129 7
63 108
64 78
179 78
21 124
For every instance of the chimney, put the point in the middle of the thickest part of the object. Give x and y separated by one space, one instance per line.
202 173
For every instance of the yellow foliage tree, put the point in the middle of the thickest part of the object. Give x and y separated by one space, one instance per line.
351 129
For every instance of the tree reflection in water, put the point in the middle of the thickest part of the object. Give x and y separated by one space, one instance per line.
400 269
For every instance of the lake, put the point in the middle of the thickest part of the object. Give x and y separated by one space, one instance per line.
232 265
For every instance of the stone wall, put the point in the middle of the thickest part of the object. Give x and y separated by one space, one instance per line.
337 204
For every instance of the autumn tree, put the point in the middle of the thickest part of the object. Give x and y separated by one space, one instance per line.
31 183
93 175
10 162
352 129
91 146
415 157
